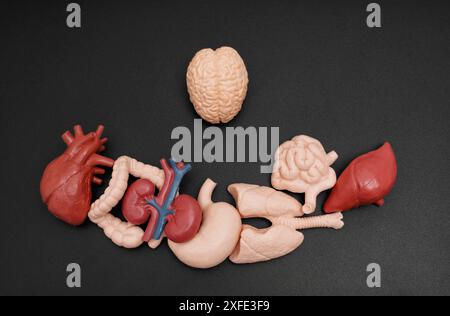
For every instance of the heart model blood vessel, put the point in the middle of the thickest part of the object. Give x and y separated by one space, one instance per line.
66 182
367 180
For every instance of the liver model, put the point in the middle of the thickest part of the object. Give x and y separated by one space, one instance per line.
367 180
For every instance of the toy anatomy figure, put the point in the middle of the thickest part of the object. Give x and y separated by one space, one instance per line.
202 233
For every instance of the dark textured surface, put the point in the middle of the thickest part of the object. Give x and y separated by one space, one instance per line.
315 68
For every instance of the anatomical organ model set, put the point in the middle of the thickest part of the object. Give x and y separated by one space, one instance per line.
202 233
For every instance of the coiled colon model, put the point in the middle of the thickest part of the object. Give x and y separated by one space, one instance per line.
303 166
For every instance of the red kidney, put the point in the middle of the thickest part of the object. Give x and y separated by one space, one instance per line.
184 225
135 208
367 180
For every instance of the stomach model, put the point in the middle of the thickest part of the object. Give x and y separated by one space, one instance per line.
367 180
218 235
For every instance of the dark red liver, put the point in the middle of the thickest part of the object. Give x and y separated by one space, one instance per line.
367 180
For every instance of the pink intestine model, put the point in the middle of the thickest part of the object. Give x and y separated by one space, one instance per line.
284 212
303 166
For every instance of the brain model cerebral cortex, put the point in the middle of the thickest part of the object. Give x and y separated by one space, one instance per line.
303 166
217 83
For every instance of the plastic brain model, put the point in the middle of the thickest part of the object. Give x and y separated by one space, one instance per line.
303 166
217 84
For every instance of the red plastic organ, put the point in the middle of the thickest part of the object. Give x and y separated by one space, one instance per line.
66 183
179 217
367 180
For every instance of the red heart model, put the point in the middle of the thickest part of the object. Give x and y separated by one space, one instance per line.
66 183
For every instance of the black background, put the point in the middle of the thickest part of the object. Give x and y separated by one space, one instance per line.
315 68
